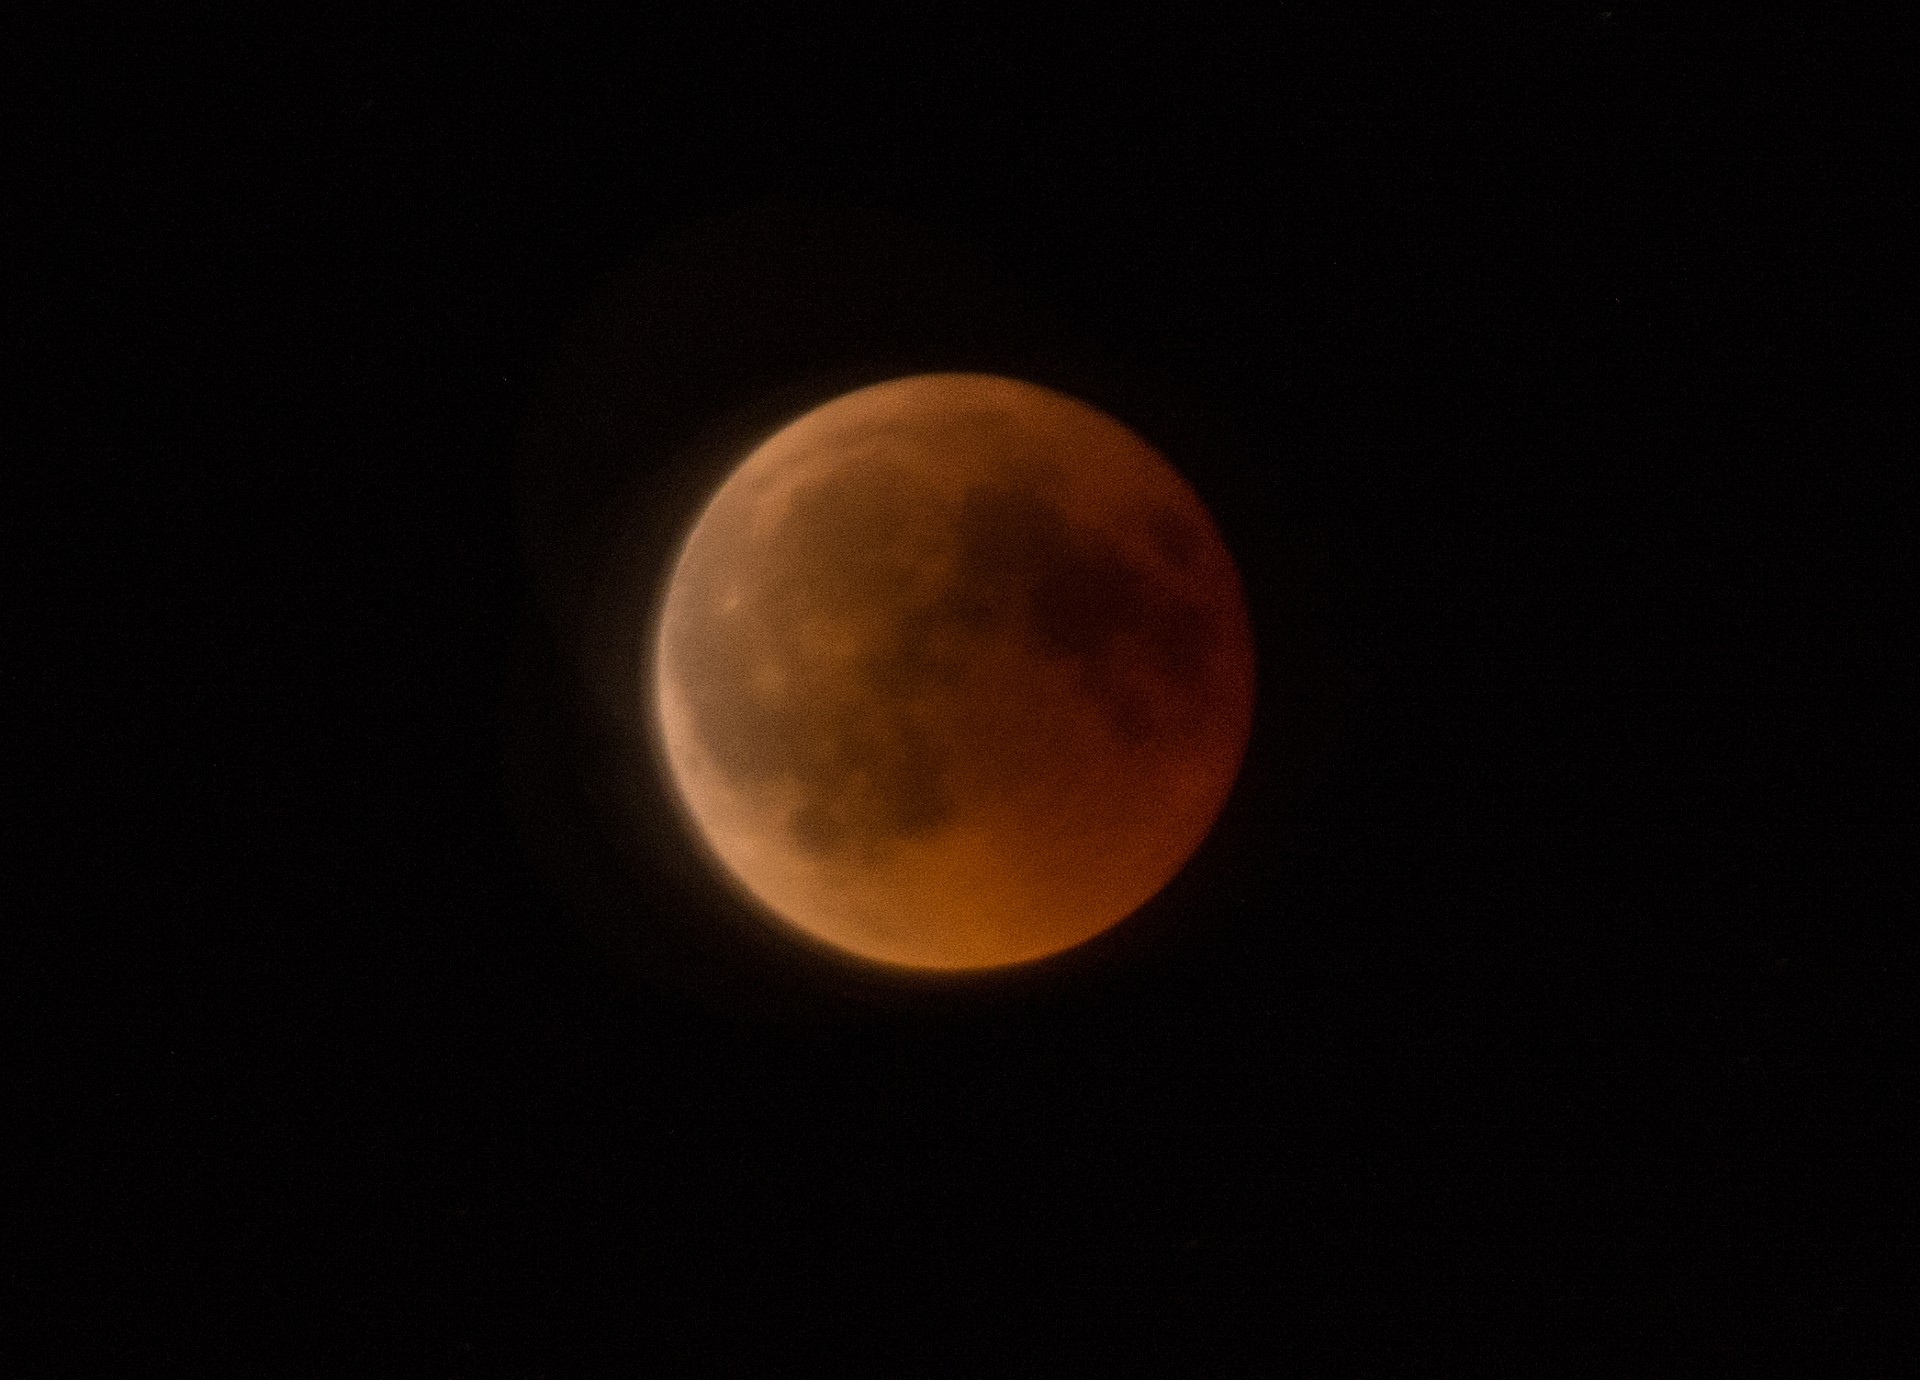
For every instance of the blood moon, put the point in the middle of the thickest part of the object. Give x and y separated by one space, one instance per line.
953 672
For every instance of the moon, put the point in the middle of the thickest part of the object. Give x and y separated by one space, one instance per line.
953 672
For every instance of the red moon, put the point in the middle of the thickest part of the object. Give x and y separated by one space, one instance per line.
953 672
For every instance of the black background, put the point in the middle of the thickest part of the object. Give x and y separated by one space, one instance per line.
1531 1001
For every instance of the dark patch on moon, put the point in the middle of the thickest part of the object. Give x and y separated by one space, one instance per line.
1176 535
815 656
1075 594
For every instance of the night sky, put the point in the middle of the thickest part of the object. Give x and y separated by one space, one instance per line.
1531 1000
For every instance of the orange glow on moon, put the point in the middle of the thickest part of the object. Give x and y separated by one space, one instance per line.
953 672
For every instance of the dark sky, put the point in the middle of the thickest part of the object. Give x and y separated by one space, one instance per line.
1531 999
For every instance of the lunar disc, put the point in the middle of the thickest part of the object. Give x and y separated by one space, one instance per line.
953 672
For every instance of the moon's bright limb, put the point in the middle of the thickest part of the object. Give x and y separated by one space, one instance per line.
953 672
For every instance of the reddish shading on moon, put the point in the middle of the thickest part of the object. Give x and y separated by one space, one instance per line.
953 672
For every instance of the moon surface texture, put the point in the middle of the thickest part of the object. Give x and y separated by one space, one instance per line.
953 672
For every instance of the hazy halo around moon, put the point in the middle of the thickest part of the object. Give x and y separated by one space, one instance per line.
953 672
